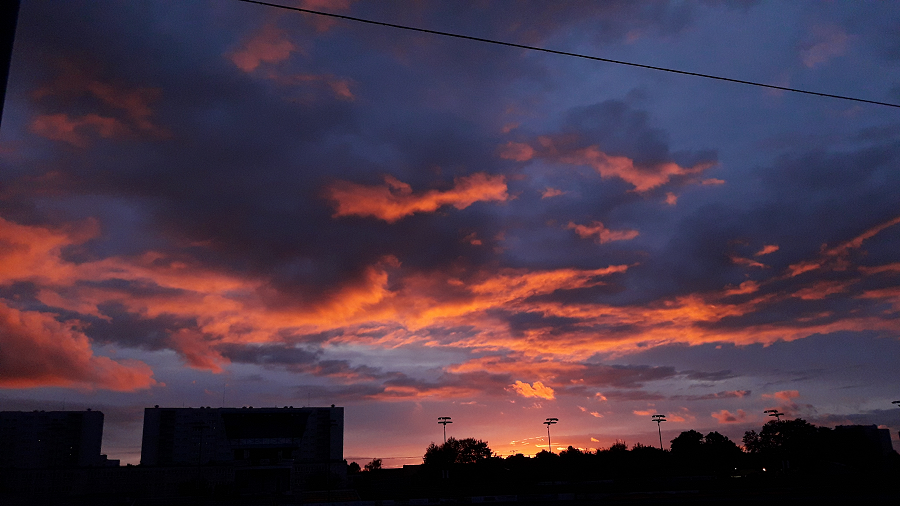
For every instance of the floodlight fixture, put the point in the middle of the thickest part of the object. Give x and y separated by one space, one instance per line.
659 419
548 422
774 412
444 420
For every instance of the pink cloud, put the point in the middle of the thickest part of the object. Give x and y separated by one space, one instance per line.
551 192
322 23
338 87
395 199
826 42
726 416
269 45
671 198
747 262
516 151
76 131
73 81
602 234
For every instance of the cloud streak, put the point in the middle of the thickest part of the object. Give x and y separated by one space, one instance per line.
395 199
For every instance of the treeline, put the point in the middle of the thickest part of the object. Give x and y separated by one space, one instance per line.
780 450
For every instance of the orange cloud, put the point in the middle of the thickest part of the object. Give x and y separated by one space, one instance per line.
784 395
269 45
671 198
768 248
895 267
836 257
551 192
726 416
395 199
38 351
390 305
747 262
744 288
712 181
603 234
642 177
536 390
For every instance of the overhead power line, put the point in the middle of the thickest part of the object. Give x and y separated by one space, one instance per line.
566 53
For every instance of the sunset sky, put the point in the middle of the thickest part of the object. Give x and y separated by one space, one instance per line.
214 202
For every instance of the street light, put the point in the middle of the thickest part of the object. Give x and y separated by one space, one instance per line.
548 423
659 419
775 413
444 420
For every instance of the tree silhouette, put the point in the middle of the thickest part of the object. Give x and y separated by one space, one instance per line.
796 435
688 443
457 451
713 453
374 465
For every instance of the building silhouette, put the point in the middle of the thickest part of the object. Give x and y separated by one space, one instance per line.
51 439
266 449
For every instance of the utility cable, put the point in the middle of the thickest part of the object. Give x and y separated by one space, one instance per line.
566 53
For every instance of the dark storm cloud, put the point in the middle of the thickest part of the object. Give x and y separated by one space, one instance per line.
608 22
619 376
709 376
272 354
120 326
714 396
632 395
240 172
521 323
842 358
811 198
243 170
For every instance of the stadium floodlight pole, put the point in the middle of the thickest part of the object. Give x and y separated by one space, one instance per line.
774 412
659 419
548 423
444 420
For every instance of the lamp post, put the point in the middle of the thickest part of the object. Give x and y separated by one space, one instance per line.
659 419
775 413
548 423
444 420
